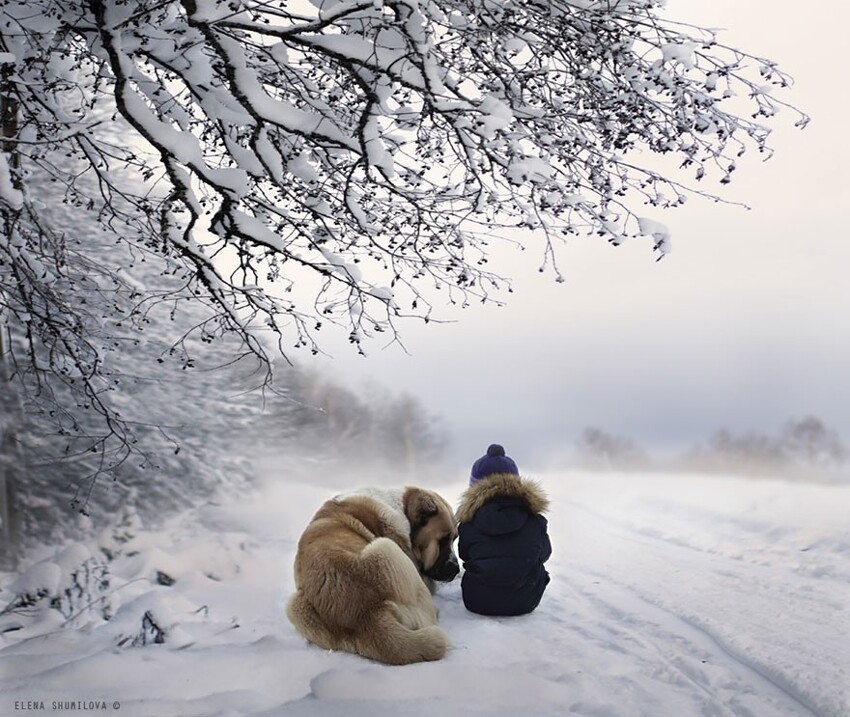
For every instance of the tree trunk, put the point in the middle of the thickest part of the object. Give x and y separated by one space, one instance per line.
10 408
9 523
10 463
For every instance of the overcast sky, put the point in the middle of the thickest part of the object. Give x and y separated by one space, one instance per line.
743 325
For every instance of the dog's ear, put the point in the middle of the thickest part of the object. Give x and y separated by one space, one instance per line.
420 509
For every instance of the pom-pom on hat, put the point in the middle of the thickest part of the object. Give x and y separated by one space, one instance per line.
495 461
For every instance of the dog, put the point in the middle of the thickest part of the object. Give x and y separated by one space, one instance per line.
365 570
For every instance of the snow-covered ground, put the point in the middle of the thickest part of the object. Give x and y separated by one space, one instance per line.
671 595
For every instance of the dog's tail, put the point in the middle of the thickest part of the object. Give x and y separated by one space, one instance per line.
387 639
403 628
385 635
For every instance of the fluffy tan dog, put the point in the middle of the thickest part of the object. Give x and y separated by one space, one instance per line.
364 574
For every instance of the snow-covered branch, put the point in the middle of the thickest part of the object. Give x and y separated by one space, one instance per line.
362 153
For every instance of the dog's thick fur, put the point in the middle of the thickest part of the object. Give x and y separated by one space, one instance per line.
360 575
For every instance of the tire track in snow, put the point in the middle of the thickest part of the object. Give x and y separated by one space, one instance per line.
693 676
694 564
679 643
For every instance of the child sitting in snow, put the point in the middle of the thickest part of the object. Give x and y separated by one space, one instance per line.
503 541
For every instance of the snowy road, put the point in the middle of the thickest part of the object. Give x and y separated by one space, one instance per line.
728 639
676 596
742 589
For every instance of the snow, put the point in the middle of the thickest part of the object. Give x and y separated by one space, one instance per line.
529 169
680 595
45 575
495 116
682 53
300 167
340 266
657 230
9 194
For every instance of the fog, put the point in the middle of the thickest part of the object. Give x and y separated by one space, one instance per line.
743 325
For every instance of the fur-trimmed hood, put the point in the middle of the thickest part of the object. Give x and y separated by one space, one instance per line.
501 485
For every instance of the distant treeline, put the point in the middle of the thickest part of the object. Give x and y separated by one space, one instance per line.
313 422
803 447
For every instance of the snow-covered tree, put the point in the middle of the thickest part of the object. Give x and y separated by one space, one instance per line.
158 415
337 160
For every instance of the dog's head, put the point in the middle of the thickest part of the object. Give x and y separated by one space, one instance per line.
432 534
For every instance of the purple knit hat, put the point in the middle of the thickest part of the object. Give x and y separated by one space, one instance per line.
495 461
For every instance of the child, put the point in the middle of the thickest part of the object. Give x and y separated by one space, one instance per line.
503 539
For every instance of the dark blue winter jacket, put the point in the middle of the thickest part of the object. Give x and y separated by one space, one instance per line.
503 544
